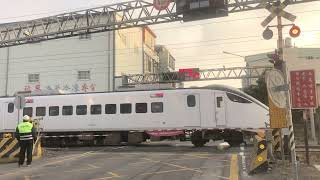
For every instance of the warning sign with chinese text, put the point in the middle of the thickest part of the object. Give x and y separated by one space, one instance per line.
303 89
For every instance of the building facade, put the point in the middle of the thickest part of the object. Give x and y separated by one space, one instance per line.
86 63
167 61
295 58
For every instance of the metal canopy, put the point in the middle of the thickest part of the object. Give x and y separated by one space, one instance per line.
105 18
205 75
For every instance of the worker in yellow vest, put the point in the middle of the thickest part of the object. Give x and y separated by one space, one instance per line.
25 133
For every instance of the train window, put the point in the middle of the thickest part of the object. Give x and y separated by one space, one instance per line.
96 109
27 111
54 111
67 110
10 108
157 107
40 111
191 101
141 107
81 110
111 109
237 99
125 108
219 100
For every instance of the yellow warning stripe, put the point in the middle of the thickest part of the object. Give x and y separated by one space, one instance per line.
15 153
3 141
12 144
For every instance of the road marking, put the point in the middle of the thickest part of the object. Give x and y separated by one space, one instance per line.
26 178
234 168
113 175
175 165
121 147
243 162
161 172
317 167
84 169
14 172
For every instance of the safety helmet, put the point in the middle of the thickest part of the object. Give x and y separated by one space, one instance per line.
26 118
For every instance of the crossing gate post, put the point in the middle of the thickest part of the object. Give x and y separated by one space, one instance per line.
277 143
259 156
9 150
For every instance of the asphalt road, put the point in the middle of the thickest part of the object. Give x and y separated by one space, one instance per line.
171 160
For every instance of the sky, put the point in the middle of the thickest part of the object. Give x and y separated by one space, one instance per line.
194 44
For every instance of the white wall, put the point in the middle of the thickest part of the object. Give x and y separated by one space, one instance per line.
3 70
57 62
302 59
129 51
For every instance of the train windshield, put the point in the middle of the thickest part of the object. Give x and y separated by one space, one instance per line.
238 99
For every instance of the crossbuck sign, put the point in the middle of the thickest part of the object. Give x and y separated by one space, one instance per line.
277 10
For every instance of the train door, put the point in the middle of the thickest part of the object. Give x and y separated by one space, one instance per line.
9 115
220 112
192 104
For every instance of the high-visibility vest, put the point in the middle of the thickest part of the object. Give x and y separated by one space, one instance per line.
25 131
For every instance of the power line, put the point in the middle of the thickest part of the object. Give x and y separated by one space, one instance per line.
126 49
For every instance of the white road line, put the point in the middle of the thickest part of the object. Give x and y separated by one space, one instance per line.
243 161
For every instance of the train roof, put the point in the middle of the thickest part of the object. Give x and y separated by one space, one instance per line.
210 87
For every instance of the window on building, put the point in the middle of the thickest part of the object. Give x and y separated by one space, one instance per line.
67 110
32 78
54 111
83 75
171 62
96 109
238 99
10 108
40 111
157 107
191 101
111 109
81 110
141 107
27 111
125 108
149 65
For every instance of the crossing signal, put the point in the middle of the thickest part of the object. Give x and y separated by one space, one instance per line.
294 31
275 60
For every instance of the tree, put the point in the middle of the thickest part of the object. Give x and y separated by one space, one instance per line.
258 91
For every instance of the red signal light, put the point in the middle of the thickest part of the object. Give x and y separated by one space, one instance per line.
294 31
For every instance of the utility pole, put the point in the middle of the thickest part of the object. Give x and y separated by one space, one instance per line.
289 113
276 10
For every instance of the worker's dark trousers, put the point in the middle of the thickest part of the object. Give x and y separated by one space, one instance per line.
25 146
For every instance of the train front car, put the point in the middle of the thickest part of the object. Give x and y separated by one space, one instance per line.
235 114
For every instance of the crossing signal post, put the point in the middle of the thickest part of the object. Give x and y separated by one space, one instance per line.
275 60
276 9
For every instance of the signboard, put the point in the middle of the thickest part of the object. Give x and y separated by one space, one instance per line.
303 89
277 10
161 4
189 74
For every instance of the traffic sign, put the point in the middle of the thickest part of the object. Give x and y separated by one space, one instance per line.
303 89
277 10
19 102
278 118
161 4
274 81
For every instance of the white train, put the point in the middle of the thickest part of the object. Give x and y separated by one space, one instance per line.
110 118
